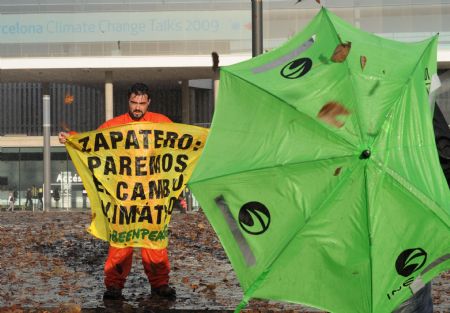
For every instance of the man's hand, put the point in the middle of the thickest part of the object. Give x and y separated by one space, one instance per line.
62 136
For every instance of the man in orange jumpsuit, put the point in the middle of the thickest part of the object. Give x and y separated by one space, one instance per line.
155 261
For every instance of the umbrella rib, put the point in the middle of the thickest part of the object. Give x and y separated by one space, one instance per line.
404 89
411 189
419 59
369 227
293 107
361 133
268 167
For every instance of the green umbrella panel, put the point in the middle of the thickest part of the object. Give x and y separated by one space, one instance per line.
320 174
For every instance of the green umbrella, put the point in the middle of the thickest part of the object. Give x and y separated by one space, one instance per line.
321 175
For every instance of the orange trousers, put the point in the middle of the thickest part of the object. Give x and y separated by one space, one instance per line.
118 266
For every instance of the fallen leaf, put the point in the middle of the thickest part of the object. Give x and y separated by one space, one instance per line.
13 309
69 308
341 52
12 276
68 99
201 226
318 1
337 171
363 61
330 112
185 280
194 287
211 286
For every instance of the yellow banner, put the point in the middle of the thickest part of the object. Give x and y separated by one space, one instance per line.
133 174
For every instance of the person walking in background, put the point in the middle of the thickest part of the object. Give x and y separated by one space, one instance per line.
119 261
29 201
40 196
11 201
183 204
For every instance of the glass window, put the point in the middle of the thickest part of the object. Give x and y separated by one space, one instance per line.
31 173
9 169
21 171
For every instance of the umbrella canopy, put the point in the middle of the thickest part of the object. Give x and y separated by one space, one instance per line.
320 174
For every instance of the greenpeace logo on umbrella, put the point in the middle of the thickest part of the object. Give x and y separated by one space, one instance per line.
410 261
297 68
254 218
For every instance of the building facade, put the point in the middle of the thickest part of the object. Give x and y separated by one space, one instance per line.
91 51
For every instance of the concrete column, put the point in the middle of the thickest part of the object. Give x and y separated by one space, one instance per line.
109 108
186 117
47 158
357 17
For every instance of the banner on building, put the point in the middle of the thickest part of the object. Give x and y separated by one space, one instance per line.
133 175
124 26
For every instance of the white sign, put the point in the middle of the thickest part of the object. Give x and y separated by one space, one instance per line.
65 178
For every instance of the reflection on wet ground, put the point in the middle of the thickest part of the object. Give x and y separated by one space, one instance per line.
49 263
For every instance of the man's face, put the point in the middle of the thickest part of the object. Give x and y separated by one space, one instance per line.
138 105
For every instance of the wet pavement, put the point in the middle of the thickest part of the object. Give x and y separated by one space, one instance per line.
49 263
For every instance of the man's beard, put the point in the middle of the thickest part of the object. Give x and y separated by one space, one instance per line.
136 118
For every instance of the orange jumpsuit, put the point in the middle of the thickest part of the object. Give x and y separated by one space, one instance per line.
155 261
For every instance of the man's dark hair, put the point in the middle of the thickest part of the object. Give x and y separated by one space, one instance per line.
139 89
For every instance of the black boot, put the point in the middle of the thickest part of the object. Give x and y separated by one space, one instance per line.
165 291
113 294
